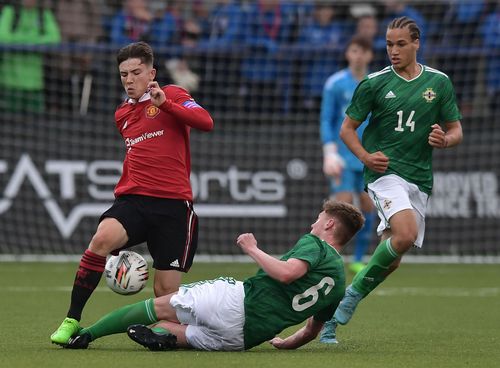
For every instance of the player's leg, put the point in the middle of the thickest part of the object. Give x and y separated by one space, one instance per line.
194 307
141 313
342 190
119 226
172 241
164 335
166 281
110 235
392 199
328 334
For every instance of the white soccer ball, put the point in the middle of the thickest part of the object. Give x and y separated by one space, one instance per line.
127 273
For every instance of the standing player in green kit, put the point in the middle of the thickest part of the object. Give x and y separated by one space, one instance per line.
413 110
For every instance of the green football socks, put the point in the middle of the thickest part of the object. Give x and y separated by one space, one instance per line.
376 270
118 320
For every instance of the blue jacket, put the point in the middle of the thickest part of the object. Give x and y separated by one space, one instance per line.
158 33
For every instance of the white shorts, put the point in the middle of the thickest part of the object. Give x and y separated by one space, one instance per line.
392 194
215 313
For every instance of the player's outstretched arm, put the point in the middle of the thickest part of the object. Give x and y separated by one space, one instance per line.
299 338
283 271
189 113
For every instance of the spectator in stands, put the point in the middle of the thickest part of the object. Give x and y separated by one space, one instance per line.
325 35
180 67
460 32
136 22
22 83
490 32
367 27
224 23
80 23
267 25
396 9
222 29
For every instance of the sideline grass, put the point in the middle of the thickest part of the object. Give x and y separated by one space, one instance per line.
422 316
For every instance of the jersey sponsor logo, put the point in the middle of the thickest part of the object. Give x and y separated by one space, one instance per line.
152 111
129 142
429 95
390 94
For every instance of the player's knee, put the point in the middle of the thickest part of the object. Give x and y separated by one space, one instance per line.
103 242
404 240
162 289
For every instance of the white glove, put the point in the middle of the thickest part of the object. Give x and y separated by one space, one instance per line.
333 163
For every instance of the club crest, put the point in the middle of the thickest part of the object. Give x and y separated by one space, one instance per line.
429 95
152 111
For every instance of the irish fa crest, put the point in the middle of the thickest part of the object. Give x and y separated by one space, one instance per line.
152 111
429 95
387 204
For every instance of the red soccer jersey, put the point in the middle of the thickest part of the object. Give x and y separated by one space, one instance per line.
157 161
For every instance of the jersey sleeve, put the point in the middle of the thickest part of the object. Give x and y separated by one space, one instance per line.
449 108
362 101
329 112
180 104
306 249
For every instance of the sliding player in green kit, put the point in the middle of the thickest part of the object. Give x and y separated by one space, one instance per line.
413 110
308 282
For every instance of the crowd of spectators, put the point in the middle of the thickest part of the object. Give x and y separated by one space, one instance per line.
271 54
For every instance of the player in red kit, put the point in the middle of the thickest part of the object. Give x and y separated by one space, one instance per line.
153 199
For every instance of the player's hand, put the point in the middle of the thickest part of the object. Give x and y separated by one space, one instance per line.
333 165
277 342
437 137
157 94
377 162
246 241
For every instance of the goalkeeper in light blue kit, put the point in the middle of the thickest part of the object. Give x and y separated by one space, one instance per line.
306 283
343 169
413 110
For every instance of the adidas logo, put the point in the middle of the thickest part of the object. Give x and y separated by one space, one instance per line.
175 263
390 94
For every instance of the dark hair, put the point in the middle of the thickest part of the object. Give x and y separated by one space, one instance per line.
350 218
361 41
138 50
403 22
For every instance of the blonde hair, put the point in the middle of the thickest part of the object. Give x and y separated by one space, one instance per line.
350 218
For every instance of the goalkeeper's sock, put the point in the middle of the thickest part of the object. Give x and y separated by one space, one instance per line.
377 268
87 278
363 237
120 319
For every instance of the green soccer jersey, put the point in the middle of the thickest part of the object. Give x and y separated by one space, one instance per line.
271 306
402 113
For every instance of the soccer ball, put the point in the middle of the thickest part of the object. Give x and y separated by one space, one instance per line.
126 273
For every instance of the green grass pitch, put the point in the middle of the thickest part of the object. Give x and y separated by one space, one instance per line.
422 316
